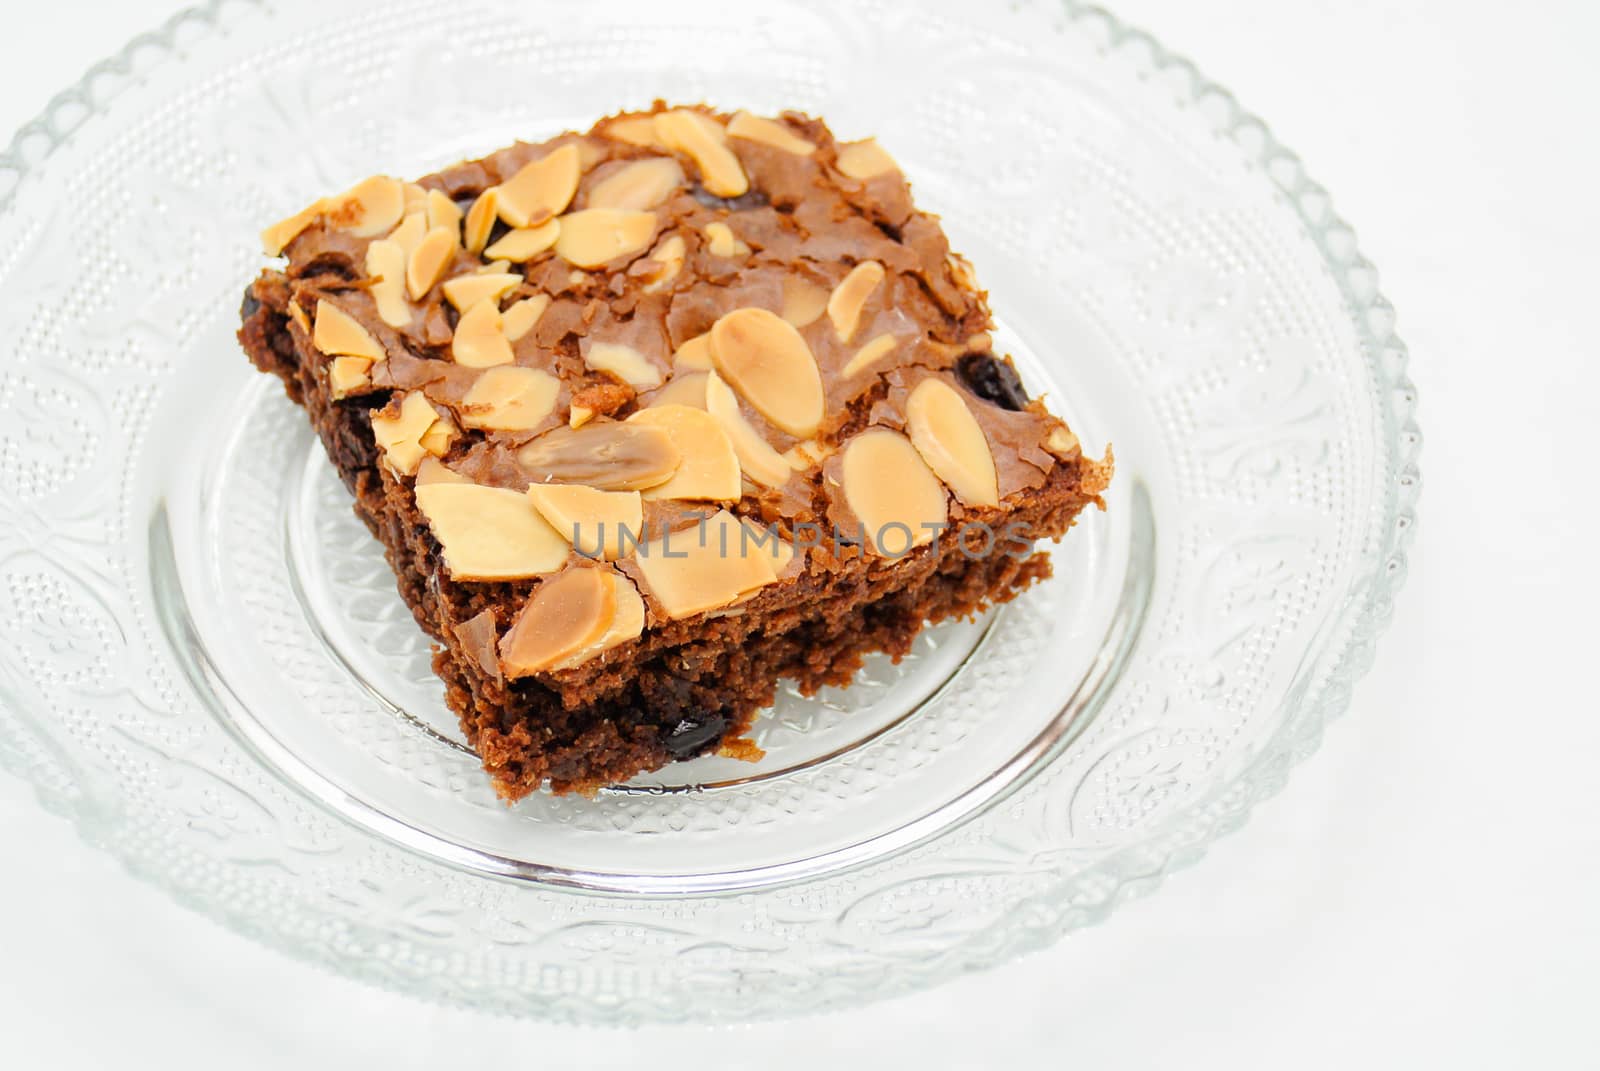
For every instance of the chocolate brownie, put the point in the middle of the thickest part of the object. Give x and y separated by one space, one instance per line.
650 417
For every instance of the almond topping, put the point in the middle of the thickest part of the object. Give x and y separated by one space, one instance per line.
723 242
948 437
691 571
624 362
480 339
429 260
639 186
626 623
892 491
412 230
597 236
766 541
437 439
348 375
606 524
669 254
565 615
769 364
432 470
685 388
487 533
863 160
635 130
708 468
694 354
526 243
807 455
541 189
605 454
465 291
337 332
480 220
579 415
400 436
757 458
1062 442
443 212
869 355
281 233
416 198
803 300
768 132
704 141
523 316
508 398
850 297
386 264
369 208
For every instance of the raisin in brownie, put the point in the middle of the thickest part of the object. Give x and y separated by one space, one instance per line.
650 417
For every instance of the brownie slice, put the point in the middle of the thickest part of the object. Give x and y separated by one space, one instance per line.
650 417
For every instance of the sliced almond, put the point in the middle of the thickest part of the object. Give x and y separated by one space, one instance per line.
897 497
480 338
525 243
386 264
704 141
412 230
803 300
598 524
627 622
337 332
770 133
639 186
1062 442
509 398
695 570
443 212
635 130
850 297
416 198
684 388
604 454
488 533
369 208
807 455
465 291
432 470
766 360
694 355
762 539
869 355
349 375
480 219
438 439
523 316
757 459
668 254
950 440
281 233
596 236
579 415
722 242
541 189
564 616
863 160
429 260
400 436
624 362
708 468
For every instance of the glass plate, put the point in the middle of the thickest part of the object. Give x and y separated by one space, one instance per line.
205 665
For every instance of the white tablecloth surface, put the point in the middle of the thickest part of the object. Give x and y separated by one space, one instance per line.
1423 894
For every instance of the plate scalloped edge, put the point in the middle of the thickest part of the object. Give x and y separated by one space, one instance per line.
1137 871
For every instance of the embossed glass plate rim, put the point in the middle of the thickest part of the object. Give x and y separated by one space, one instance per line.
1135 870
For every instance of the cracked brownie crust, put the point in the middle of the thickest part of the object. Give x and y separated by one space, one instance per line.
546 375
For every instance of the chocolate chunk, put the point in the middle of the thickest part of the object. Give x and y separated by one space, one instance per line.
753 199
693 735
250 305
993 380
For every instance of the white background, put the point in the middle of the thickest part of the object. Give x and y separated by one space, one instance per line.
1424 893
